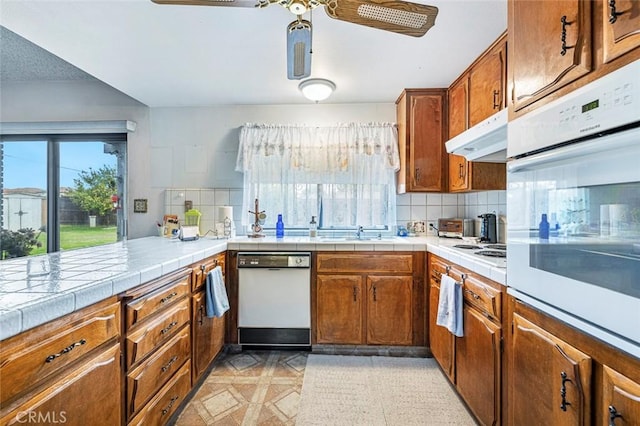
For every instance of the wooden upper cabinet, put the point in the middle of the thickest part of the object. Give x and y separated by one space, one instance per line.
549 379
620 399
459 106
620 27
549 46
421 133
487 82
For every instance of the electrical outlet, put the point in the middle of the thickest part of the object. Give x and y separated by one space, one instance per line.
188 205
431 230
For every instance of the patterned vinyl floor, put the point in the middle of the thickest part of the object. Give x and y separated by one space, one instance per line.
249 388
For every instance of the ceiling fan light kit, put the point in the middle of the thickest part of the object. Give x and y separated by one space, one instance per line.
317 89
397 16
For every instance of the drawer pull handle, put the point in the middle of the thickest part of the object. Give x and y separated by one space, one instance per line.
563 391
169 297
169 327
201 319
613 14
375 298
613 415
66 350
496 99
473 294
169 364
168 407
355 293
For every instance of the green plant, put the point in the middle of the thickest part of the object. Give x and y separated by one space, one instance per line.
17 243
93 189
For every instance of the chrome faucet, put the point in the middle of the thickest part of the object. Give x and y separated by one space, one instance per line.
359 232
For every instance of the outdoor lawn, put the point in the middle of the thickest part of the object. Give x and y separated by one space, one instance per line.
78 236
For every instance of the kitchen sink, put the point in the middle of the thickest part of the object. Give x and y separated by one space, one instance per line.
357 239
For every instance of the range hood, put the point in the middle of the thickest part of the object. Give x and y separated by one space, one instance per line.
484 142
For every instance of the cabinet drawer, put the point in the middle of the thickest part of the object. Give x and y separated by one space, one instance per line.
152 334
484 297
31 357
142 308
201 269
86 394
160 409
150 375
369 263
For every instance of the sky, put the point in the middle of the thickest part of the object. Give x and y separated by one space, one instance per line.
25 162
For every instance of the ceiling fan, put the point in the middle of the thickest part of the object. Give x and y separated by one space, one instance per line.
398 16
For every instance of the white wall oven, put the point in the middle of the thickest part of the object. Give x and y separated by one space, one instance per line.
573 203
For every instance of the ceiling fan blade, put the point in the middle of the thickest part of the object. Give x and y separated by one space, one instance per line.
227 3
391 15
299 49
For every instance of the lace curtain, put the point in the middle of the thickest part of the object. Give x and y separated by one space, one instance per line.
343 174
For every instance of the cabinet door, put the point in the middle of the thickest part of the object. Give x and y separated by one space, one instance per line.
478 366
458 173
549 380
621 27
389 310
458 111
339 309
87 394
441 342
486 85
620 400
549 46
208 335
427 167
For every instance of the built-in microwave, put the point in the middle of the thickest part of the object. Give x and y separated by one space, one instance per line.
573 203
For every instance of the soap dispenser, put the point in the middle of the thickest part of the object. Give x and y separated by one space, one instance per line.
313 227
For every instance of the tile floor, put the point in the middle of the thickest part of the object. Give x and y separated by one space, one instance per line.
249 388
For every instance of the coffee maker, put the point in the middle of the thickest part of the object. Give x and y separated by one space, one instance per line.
488 228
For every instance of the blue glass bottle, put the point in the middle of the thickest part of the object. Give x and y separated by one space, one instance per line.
279 227
544 228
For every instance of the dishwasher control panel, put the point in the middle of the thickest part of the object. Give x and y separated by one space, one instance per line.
274 260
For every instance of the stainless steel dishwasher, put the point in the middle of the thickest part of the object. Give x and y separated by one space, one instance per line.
274 298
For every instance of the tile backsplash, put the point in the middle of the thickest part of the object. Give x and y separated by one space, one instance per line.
206 201
428 207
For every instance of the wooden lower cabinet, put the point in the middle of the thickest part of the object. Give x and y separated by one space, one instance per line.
441 342
478 366
87 394
549 379
208 335
339 309
620 399
472 362
369 299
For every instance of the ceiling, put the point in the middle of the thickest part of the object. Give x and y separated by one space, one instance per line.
168 56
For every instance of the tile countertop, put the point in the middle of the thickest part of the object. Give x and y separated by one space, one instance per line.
82 277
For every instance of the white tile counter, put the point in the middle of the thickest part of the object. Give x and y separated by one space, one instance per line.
79 278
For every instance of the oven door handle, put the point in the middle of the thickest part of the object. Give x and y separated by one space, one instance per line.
571 152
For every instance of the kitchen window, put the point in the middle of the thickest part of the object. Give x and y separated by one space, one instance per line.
344 175
61 192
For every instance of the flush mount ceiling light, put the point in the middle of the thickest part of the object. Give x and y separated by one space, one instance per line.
317 89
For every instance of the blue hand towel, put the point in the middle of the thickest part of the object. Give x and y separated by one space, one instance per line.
450 306
216 294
